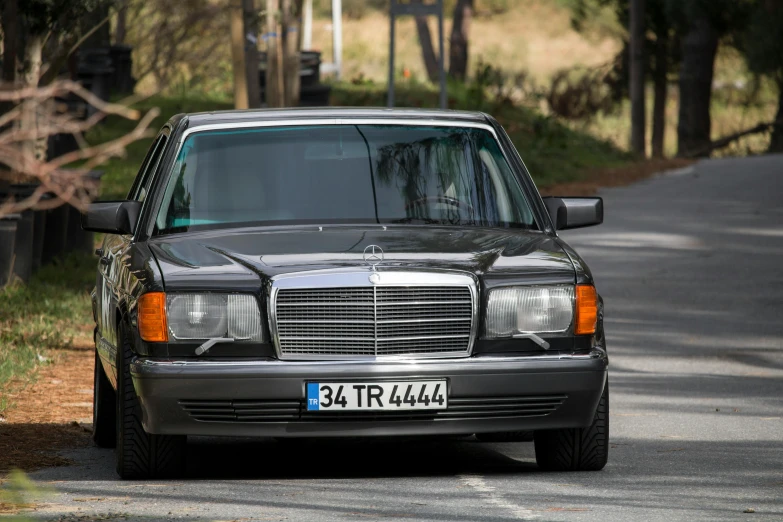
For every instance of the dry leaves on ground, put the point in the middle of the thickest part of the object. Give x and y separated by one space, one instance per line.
46 415
615 177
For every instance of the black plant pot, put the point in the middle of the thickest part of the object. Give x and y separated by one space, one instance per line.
23 191
23 249
7 242
39 231
77 239
55 233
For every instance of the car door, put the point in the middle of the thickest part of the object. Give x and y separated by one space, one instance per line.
110 289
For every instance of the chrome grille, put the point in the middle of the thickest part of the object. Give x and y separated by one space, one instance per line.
374 321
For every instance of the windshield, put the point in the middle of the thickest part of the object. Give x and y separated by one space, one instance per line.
342 174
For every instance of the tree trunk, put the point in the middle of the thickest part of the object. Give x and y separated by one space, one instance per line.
458 49
427 50
121 30
251 53
274 67
660 85
10 36
100 37
699 47
238 54
290 50
776 144
33 149
637 77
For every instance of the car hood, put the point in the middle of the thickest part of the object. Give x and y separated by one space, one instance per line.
240 258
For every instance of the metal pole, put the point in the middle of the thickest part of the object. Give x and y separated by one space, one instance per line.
307 22
441 60
337 36
390 101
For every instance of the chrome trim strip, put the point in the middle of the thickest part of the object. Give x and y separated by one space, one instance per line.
351 277
321 321
595 354
374 314
432 122
415 321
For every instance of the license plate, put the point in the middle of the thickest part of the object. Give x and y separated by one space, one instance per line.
376 396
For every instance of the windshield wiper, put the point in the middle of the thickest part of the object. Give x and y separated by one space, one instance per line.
533 337
422 221
212 342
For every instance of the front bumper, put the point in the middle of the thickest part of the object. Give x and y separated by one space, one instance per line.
267 398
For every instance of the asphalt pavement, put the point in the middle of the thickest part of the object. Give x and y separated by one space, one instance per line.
689 264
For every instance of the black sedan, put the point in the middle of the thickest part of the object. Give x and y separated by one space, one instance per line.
343 273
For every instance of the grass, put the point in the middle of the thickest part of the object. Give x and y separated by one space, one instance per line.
48 312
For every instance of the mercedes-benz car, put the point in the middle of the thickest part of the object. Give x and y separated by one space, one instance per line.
313 273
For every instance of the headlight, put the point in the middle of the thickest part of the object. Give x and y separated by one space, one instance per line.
531 309
209 316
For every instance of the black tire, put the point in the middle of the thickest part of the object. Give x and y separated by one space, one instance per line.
104 408
506 436
581 449
141 455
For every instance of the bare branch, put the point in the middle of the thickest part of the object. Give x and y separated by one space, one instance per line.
64 179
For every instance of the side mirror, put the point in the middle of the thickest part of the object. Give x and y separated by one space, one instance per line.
575 212
112 217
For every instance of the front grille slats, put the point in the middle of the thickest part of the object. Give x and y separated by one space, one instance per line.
242 410
296 411
374 321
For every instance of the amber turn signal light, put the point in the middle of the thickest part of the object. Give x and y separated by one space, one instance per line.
152 317
586 309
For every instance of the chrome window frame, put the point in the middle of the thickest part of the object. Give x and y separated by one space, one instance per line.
356 278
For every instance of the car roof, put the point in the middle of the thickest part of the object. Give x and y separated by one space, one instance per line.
249 115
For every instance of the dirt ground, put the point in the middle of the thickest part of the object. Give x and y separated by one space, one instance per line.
52 413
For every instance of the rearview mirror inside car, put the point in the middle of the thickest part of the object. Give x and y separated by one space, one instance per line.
575 212
112 217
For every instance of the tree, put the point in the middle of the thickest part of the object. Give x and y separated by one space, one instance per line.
57 176
427 50
458 43
699 47
176 39
763 49
663 60
34 21
283 47
238 54
703 23
638 68
250 20
661 54
274 69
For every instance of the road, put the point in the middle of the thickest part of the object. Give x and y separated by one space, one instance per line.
690 267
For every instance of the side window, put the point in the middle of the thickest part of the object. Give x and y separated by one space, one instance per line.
144 178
